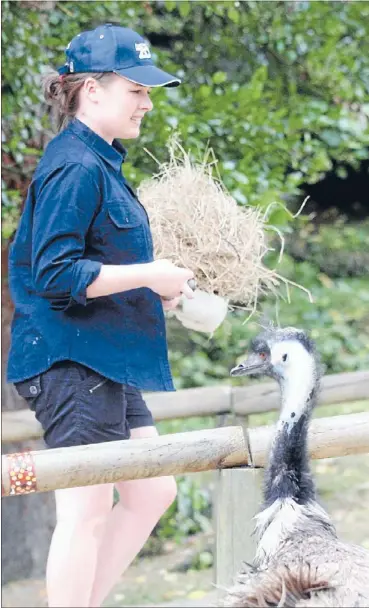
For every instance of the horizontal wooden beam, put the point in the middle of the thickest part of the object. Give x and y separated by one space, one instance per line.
21 425
328 438
176 454
134 459
185 403
335 388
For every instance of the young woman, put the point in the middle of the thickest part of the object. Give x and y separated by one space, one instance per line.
88 332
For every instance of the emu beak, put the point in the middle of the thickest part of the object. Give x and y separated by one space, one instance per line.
253 364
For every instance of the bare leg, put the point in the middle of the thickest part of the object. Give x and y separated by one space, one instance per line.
142 503
81 519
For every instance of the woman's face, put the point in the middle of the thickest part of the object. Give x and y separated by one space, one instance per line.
116 107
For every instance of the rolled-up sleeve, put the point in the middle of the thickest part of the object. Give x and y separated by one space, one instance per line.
66 203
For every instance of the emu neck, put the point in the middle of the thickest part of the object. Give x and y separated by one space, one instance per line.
288 472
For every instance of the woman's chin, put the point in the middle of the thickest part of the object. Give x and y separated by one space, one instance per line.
131 133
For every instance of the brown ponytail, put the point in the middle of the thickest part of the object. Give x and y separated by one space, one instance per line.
62 93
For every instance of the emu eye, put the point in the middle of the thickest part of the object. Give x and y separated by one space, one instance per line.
284 357
262 356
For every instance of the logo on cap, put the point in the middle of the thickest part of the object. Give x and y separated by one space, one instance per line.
143 50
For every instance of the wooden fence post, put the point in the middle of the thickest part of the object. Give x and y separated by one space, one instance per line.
238 499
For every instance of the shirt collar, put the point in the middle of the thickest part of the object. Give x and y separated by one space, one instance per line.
114 154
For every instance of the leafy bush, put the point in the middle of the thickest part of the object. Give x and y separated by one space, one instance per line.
279 90
339 249
190 513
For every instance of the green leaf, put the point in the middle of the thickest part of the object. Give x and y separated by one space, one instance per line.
219 77
233 14
184 7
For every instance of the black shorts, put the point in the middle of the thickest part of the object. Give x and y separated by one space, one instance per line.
77 406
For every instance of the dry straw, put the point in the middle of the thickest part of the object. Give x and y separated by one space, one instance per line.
197 224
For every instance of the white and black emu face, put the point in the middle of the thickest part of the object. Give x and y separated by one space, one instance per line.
282 354
288 356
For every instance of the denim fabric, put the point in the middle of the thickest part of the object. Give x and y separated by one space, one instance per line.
80 213
77 406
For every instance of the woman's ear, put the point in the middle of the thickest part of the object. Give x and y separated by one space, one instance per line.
92 89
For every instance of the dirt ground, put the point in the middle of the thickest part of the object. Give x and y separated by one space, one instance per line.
149 582
343 485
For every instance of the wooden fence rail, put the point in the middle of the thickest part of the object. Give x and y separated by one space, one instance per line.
176 454
22 425
336 388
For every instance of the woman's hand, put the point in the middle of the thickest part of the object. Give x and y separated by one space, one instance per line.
167 279
170 304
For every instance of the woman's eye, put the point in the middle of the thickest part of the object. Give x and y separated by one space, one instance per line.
138 91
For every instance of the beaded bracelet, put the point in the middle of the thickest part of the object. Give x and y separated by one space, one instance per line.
22 474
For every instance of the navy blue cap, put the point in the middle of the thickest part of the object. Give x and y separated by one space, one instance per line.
110 48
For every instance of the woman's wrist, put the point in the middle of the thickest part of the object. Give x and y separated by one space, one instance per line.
118 278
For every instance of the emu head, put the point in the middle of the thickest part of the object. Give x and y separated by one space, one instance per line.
282 354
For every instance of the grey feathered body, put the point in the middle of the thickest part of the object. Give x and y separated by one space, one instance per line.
310 568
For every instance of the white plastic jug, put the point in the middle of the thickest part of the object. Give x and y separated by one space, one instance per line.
205 312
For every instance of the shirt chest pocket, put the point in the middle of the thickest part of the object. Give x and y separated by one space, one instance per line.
123 218
124 232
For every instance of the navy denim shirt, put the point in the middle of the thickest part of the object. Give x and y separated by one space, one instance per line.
79 214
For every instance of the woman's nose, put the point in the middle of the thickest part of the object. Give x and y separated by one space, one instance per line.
147 104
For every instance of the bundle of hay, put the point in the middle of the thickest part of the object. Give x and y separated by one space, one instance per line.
197 224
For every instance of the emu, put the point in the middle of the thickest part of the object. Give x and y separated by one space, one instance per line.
299 559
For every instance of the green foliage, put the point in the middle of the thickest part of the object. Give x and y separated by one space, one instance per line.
10 204
279 89
190 513
203 560
338 249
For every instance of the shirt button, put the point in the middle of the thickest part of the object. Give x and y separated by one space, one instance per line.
33 390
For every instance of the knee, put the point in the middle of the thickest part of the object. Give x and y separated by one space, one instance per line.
155 495
166 493
161 495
